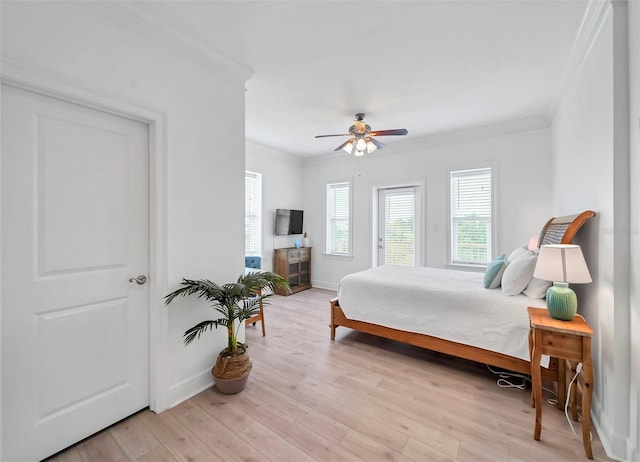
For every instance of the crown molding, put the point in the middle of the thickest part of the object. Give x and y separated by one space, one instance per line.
592 21
256 148
130 15
477 133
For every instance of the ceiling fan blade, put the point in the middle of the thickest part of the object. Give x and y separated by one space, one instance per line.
326 136
343 144
398 131
378 144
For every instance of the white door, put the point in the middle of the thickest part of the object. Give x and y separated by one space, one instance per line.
397 226
75 331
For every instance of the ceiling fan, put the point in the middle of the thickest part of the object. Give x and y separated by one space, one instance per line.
363 140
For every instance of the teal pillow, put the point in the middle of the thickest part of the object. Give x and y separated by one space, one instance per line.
493 274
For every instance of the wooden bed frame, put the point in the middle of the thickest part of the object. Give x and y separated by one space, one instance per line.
558 230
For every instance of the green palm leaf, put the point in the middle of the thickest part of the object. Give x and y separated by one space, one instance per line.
235 302
197 330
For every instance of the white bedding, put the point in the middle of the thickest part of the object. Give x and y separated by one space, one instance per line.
447 304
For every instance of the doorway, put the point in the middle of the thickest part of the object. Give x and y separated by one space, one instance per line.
398 226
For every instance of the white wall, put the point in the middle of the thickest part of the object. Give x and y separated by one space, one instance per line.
100 48
204 108
281 189
633 451
591 170
522 162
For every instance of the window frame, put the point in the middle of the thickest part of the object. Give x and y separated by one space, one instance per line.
327 221
492 239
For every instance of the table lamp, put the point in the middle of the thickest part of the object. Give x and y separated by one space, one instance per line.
562 264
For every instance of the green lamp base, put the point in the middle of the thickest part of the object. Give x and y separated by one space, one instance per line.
562 302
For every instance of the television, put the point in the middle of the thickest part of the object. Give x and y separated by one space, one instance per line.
288 222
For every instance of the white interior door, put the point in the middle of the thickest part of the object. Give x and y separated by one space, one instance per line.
75 331
397 211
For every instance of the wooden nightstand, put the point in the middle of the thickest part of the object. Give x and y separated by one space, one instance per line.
568 341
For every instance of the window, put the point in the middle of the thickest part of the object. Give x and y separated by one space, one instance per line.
471 216
338 233
252 213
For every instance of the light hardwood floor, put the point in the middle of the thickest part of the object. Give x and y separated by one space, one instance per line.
359 398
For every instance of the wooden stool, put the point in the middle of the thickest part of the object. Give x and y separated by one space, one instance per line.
257 317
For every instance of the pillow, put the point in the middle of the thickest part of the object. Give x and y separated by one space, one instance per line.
537 288
518 274
519 253
493 274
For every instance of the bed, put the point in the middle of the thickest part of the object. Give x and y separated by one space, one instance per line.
447 311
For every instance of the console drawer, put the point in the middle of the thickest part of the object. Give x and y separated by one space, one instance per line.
298 255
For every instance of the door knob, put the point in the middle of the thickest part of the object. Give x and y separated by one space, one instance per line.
139 280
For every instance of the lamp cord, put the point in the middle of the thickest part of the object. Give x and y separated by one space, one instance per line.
504 381
566 404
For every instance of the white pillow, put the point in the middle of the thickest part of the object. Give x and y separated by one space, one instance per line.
518 274
537 288
519 253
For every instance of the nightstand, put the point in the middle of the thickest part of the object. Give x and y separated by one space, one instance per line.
568 341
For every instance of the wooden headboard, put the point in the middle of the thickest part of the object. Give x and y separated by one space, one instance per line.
561 230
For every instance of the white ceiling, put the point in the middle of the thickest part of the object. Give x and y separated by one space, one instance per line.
427 66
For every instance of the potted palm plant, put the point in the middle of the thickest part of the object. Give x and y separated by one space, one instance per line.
234 303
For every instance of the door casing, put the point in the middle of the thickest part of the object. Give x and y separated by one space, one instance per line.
420 237
15 75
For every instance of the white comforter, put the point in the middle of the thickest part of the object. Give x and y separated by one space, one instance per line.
447 304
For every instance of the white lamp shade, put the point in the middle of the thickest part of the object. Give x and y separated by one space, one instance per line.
348 148
533 242
562 263
359 146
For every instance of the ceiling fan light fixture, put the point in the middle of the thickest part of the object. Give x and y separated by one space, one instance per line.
348 148
359 146
363 140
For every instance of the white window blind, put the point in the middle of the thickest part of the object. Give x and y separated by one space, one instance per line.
252 213
338 220
471 216
399 226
